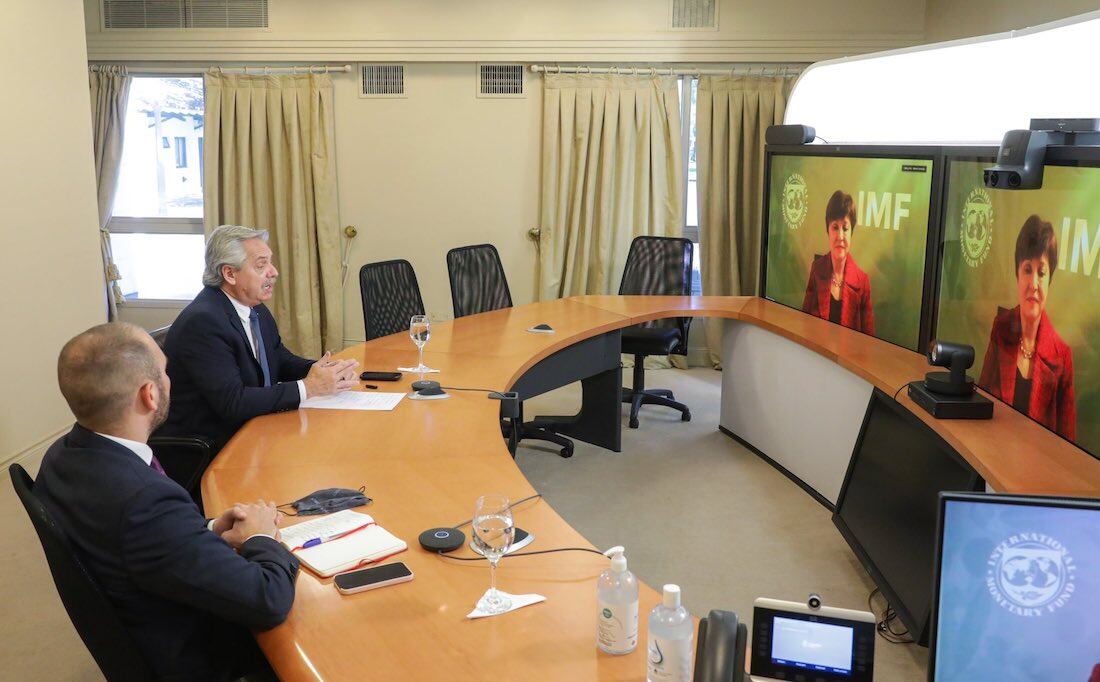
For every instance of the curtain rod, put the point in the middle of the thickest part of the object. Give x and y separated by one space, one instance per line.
750 70
249 70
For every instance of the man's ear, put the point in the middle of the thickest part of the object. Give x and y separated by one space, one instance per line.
149 396
229 274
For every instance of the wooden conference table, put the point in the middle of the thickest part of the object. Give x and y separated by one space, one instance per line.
426 462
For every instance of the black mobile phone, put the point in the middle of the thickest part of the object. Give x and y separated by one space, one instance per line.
380 376
370 578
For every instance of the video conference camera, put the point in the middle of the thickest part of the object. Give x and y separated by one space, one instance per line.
1022 154
951 394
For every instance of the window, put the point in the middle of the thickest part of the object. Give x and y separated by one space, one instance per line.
181 152
156 227
689 87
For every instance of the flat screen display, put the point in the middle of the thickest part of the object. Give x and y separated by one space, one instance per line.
888 506
813 646
847 239
1018 592
1020 282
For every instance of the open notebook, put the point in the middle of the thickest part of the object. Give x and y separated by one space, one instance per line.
352 539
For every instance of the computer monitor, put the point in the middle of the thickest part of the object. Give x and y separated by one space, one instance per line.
888 504
871 273
1019 281
1017 589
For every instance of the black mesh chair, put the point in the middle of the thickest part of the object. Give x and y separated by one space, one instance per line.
478 285
656 266
92 615
184 458
391 296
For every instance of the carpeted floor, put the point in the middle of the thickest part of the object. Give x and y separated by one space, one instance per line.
691 506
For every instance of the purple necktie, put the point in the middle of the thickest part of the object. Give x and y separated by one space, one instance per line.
156 465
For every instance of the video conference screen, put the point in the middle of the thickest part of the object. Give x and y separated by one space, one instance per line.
1019 593
820 647
1021 283
846 240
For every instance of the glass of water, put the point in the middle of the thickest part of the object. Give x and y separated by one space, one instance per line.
493 532
420 329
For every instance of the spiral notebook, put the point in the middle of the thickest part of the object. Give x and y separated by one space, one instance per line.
350 540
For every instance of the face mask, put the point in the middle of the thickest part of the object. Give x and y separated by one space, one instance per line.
330 500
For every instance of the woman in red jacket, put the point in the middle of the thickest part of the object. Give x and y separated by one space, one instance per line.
1027 364
838 290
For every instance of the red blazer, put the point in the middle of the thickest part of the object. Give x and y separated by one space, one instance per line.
1052 398
855 298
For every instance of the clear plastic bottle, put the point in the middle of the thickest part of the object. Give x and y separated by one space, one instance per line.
617 598
669 651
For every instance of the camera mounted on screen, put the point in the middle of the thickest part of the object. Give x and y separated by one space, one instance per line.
951 394
1022 154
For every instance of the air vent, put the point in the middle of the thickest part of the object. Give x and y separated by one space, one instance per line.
382 80
693 15
500 80
184 14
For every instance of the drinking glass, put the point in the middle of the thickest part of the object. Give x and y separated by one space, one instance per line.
494 530
420 329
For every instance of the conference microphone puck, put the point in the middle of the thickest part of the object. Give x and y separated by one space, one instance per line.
442 539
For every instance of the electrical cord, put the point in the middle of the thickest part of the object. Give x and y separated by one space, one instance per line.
883 625
899 391
818 137
511 506
541 551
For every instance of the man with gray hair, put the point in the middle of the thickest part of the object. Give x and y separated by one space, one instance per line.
225 358
186 589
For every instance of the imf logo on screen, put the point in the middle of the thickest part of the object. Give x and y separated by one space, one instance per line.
977 227
795 201
1030 574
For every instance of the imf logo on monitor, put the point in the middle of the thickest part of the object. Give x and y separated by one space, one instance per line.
977 227
1030 574
795 201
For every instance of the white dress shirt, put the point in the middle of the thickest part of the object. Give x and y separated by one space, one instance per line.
145 452
244 312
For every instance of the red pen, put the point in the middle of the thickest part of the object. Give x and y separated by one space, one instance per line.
317 541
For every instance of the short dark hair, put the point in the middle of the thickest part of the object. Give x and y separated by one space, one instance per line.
1035 240
840 206
100 369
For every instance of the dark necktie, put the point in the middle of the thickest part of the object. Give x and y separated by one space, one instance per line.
261 354
156 465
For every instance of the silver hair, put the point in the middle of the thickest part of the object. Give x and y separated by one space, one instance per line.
223 247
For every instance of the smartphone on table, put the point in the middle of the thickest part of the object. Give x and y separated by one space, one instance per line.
380 376
369 578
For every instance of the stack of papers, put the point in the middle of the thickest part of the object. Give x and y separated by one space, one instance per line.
355 400
349 539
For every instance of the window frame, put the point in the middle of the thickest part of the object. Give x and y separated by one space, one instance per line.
159 224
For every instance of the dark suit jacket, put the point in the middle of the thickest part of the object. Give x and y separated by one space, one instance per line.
217 383
1052 401
856 310
180 590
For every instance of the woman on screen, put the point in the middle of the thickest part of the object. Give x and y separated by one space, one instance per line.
838 290
1027 364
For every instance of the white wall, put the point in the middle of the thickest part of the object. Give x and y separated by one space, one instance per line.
950 19
52 273
443 168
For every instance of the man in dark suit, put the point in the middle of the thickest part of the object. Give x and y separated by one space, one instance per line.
186 589
225 358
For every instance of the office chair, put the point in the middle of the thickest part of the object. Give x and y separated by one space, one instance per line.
184 458
92 615
478 285
391 296
656 266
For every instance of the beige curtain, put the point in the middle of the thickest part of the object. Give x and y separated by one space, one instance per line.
109 88
270 163
612 169
732 113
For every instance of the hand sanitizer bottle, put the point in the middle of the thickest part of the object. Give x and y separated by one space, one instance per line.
669 648
617 598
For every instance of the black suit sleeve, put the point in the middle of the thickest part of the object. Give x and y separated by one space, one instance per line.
169 552
208 358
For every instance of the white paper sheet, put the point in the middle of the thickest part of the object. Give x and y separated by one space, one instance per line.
355 400
518 602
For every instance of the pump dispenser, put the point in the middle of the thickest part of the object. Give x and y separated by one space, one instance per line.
617 598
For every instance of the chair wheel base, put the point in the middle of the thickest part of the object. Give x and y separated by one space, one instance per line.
686 416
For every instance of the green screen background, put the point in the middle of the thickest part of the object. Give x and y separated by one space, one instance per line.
969 295
893 259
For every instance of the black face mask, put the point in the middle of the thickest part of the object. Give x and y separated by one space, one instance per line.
330 500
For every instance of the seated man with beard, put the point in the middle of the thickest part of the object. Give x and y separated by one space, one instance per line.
186 589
